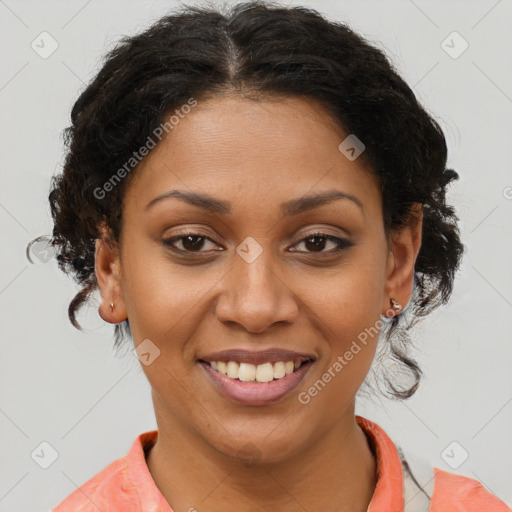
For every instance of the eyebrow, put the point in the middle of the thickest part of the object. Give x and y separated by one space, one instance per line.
292 207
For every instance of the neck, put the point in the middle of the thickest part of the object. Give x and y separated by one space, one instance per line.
336 472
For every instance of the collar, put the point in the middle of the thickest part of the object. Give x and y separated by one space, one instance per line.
388 493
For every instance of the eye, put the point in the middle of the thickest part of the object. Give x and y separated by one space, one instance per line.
315 242
191 242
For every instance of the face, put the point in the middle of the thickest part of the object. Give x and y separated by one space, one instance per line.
258 269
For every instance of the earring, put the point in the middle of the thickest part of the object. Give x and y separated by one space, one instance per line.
395 305
112 306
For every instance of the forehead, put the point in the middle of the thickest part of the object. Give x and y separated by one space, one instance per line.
290 127
231 146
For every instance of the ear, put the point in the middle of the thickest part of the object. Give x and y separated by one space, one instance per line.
404 248
108 275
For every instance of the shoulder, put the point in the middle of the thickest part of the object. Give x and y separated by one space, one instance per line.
125 484
97 491
429 488
456 493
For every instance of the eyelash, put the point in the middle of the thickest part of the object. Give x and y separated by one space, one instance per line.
341 243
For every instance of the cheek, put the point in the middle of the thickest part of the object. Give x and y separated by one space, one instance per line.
346 308
166 305
159 294
351 330
346 300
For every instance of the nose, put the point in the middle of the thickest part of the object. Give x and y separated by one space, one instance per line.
255 296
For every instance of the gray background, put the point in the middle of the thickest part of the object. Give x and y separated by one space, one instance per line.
69 389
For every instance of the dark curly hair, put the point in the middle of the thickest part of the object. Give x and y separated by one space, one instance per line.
258 48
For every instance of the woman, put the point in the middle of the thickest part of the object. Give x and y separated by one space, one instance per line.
259 197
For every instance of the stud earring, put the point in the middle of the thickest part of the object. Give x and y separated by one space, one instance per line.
112 306
395 305
395 308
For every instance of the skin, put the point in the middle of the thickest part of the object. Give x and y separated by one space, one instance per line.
256 155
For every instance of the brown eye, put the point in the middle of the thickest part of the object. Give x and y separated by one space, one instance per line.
190 242
316 243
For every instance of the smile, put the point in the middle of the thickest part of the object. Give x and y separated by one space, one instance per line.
260 384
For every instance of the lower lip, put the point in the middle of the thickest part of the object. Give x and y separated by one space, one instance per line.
256 393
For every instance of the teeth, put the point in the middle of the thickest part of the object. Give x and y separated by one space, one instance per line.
264 372
232 369
279 372
247 372
288 367
261 373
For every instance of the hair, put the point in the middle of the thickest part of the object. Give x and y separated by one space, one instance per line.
262 49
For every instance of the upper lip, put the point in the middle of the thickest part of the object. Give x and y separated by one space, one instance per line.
271 355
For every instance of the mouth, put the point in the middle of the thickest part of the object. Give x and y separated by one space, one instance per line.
256 384
265 372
